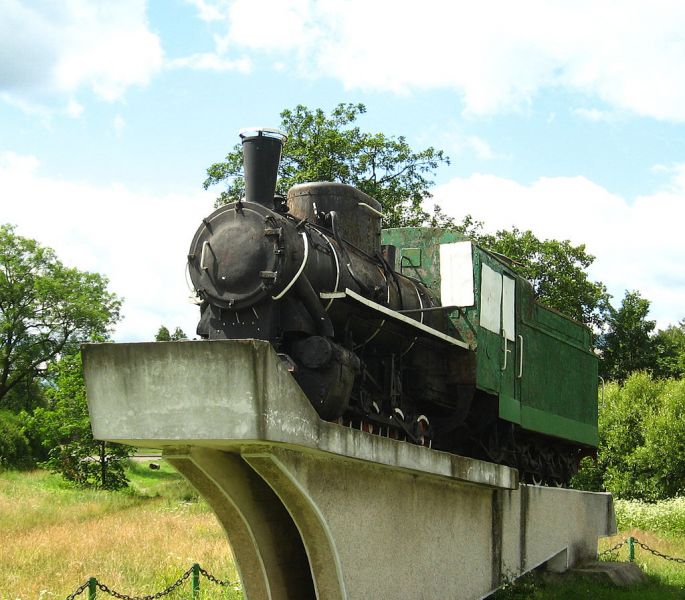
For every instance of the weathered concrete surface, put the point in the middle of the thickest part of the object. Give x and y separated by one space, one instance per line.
621 574
315 509
219 393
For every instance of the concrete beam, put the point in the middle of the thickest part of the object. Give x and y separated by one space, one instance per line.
314 509
226 393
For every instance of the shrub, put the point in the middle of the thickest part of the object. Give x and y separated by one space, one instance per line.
666 516
14 446
641 452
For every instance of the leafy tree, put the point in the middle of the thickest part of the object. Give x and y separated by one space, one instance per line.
669 351
163 335
28 395
627 346
641 452
556 269
46 309
331 147
65 431
14 445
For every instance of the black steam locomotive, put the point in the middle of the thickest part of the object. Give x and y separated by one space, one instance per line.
361 327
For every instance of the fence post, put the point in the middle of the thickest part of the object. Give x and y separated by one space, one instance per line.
92 588
196 581
631 549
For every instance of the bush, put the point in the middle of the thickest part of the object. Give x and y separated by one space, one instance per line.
641 452
666 516
15 450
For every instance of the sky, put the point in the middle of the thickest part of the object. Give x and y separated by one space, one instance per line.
565 118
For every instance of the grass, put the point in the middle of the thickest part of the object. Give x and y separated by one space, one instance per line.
54 536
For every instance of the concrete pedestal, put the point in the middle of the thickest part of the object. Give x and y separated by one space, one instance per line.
314 509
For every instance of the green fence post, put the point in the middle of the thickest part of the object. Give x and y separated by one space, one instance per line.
631 549
92 588
196 581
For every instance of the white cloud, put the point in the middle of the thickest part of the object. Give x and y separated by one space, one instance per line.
594 114
481 148
56 49
209 61
139 241
74 109
497 54
210 11
452 138
637 243
118 124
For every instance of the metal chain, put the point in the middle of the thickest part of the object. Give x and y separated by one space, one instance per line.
613 548
657 553
214 579
79 590
644 547
164 592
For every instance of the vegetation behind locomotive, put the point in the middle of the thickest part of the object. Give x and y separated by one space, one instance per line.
426 336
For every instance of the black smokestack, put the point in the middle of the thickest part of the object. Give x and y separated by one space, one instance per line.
261 157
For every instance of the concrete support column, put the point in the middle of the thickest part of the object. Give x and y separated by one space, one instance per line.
267 546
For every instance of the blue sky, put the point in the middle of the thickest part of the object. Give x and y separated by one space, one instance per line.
564 118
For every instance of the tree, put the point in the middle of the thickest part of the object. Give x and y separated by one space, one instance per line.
332 148
46 309
163 335
65 431
669 351
627 346
556 269
15 448
641 452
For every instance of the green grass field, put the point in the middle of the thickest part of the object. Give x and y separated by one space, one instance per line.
53 537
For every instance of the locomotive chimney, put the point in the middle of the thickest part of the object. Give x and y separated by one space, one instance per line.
261 157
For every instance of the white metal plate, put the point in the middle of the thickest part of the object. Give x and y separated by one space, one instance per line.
456 274
490 299
508 313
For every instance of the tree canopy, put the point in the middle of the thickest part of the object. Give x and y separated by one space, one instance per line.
627 346
669 351
323 147
46 309
641 450
163 334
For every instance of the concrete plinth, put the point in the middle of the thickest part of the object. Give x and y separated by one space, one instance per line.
314 509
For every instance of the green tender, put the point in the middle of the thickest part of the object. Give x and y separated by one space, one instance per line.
549 382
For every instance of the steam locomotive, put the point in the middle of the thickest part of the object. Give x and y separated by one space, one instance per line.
415 333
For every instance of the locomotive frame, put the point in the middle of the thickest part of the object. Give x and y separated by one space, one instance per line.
412 333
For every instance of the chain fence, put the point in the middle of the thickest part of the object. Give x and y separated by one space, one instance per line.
632 542
193 573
